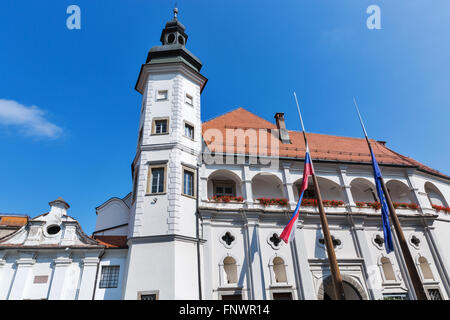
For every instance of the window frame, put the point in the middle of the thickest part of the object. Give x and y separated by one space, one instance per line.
224 183
186 123
188 97
275 292
428 288
150 178
194 185
143 293
154 120
116 280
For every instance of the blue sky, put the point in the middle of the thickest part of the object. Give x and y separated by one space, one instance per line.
71 119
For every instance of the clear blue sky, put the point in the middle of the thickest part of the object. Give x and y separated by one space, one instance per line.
80 137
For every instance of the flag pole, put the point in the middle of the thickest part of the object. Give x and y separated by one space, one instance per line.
412 270
335 273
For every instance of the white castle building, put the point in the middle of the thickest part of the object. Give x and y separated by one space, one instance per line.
210 200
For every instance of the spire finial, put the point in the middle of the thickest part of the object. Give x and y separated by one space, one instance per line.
175 12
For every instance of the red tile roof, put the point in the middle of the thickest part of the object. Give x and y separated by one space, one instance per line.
13 221
322 147
112 241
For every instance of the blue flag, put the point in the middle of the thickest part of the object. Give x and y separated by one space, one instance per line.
384 208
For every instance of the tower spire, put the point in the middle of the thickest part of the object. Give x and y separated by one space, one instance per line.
175 12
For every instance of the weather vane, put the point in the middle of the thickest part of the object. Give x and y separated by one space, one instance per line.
175 11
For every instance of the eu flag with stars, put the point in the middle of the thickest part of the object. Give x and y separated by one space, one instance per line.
384 207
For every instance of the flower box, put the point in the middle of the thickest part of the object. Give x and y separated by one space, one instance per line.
377 205
226 199
440 208
326 203
273 201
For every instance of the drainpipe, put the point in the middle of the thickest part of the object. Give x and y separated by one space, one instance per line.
197 234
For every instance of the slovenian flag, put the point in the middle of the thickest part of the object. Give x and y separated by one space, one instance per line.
289 231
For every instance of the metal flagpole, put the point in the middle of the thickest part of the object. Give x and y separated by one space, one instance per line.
412 270
335 273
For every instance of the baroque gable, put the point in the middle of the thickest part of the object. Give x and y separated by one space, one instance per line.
53 229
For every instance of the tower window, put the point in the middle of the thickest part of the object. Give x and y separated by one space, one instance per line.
171 38
161 95
160 126
188 131
188 182
109 277
189 100
157 177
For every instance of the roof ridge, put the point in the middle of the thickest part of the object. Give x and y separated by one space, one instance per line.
416 163
329 135
237 109
222 115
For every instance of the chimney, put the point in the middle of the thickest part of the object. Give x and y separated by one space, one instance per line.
284 134
58 207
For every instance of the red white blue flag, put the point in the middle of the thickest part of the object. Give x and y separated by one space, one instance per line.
289 231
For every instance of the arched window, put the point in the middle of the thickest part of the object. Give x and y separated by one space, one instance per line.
224 183
434 195
267 186
388 270
399 191
230 268
363 191
425 268
329 189
279 269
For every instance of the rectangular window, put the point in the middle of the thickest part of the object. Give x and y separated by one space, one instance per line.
188 182
160 126
189 100
224 189
161 95
109 277
157 179
282 296
189 131
395 296
148 295
232 297
434 294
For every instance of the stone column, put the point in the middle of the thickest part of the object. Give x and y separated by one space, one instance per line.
88 277
203 187
303 269
371 272
61 265
209 265
255 263
419 192
345 184
4 283
247 184
439 259
287 181
22 276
